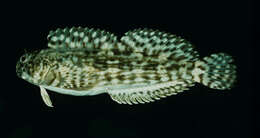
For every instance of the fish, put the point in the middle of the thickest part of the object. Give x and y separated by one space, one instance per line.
143 66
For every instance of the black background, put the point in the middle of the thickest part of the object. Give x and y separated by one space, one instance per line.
212 26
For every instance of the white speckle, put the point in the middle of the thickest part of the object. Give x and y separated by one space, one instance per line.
96 41
174 77
72 45
126 81
161 69
125 39
165 40
173 72
219 67
153 81
94 34
113 70
85 39
186 76
213 85
62 37
196 72
137 71
102 83
139 55
110 53
217 75
71 29
151 75
177 87
172 40
150 52
165 78
131 43
121 47
163 57
81 34
144 64
105 46
75 59
126 73
76 34
205 80
103 39
113 75
113 62
115 81
67 40
134 63
54 38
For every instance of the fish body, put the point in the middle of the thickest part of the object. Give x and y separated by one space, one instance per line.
145 65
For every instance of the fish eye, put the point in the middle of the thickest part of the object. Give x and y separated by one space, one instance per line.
23 58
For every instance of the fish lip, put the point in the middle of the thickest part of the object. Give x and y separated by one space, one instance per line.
18 69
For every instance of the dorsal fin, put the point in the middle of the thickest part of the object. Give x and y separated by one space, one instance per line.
78 38
149 93
154 43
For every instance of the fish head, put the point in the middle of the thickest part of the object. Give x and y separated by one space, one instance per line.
32 66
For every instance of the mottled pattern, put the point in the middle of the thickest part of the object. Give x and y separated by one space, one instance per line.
143 66
78 38
219 67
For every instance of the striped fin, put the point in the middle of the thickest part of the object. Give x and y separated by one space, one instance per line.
216 71
148 93
155 43
77 38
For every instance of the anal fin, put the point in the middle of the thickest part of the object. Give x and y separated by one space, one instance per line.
149 93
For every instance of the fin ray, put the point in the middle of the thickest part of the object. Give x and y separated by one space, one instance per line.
153 43
148 93
46 97
80 38
216 71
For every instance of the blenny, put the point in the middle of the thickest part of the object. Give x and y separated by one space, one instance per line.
143 66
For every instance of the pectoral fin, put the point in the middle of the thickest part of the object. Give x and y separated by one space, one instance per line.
46 97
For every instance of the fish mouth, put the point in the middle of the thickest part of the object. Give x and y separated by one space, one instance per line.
19 69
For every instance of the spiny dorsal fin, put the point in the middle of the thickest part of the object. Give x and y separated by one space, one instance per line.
78 38
149 93
154 43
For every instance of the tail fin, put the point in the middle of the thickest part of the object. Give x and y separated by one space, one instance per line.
215 71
